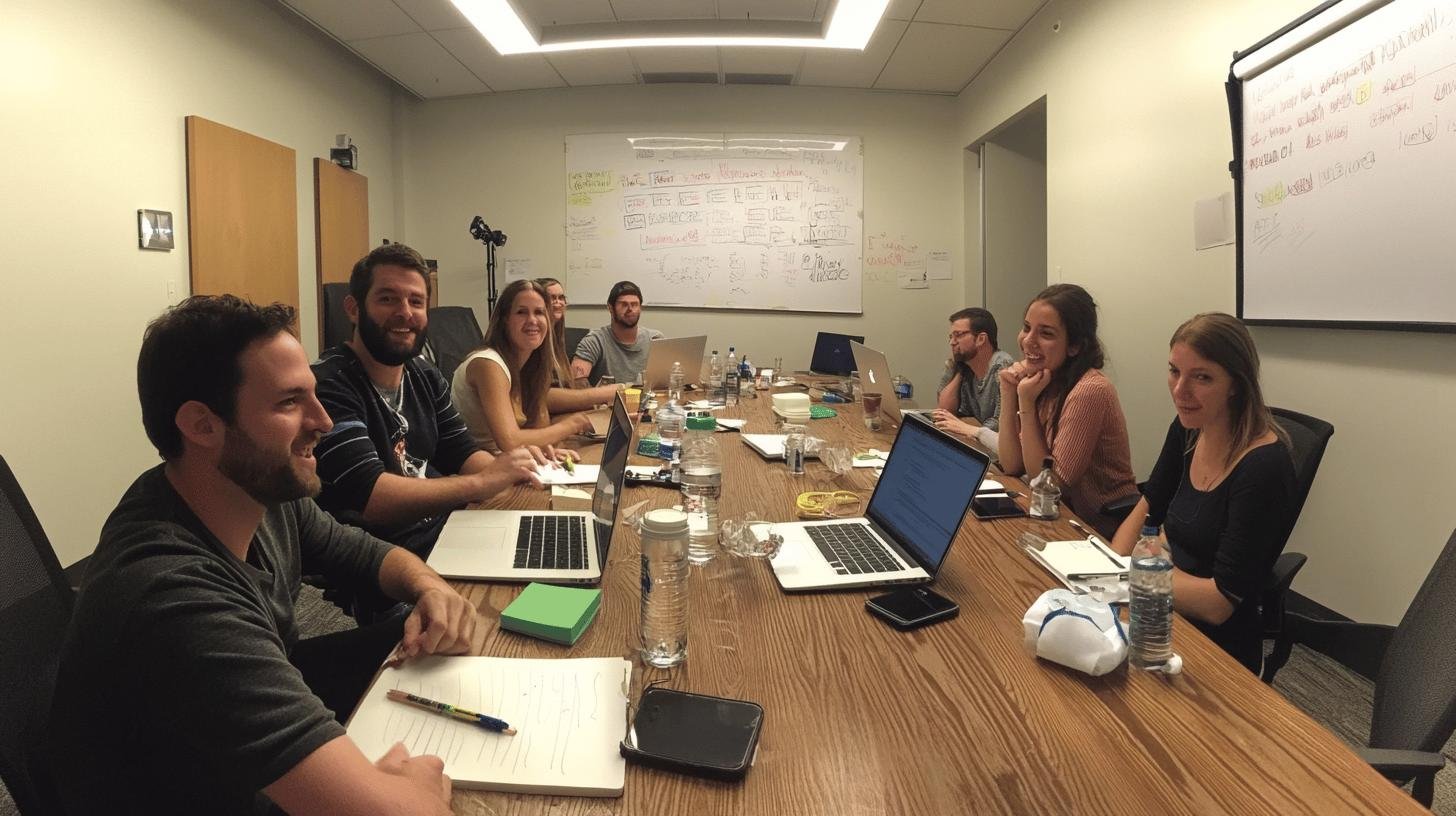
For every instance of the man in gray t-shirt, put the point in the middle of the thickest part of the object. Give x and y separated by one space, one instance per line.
969 389
618 349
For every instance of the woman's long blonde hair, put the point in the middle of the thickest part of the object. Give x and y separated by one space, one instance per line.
535 374
561 366
1221 338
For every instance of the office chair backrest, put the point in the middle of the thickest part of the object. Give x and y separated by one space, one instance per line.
453 333
337 326
573 339
35 608
1415 692
1310 437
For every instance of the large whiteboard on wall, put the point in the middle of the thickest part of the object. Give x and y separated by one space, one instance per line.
716 220
1349 174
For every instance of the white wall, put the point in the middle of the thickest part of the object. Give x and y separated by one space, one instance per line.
502 157
94 96
1137 131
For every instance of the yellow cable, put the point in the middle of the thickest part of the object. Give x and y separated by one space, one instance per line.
827 504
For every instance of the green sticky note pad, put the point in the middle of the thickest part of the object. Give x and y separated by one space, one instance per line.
555 613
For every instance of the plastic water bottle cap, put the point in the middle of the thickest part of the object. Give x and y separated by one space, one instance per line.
665 522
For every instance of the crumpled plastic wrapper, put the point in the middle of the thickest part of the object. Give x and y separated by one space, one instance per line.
749 537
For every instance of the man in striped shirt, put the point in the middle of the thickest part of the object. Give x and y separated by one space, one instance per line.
399 458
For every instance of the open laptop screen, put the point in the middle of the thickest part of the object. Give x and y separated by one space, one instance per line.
925 490
832 354
611 476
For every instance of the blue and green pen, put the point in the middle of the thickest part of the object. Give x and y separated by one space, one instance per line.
487 722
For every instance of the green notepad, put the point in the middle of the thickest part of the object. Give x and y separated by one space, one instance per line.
554 613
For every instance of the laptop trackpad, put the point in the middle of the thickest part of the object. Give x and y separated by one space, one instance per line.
471 538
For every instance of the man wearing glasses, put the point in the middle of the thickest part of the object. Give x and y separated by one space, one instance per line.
969 396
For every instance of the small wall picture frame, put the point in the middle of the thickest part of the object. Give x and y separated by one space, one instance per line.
154 230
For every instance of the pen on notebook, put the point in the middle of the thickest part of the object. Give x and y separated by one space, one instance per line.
1087 576
445 709
569 464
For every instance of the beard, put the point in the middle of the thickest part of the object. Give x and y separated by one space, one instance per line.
380 345
267 478
963 357
621 321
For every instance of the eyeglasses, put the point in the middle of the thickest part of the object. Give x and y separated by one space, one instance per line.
561 298
956 335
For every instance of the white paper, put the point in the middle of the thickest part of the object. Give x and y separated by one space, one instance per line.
1213 221
938 264
517 268
912 276
558 475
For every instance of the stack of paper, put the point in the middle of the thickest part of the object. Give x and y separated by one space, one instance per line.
555 613
1081 560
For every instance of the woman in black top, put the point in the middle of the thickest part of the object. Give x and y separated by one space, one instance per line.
1223 486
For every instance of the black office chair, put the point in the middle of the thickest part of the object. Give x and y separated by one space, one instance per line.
1414 669
1309 437
35 608
573 339
337 326
452 335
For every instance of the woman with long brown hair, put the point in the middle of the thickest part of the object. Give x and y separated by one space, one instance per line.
500 389
1223 486
1056 402
566 393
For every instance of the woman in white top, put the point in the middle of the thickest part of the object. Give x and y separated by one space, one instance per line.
566 393
500 389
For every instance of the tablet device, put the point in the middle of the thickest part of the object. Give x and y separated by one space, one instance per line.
992 507
694 733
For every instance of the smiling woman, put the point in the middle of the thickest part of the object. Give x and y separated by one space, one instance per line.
500 390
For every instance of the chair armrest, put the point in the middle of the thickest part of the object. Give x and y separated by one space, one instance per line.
1359 646
1119 508
1286 566
1393 763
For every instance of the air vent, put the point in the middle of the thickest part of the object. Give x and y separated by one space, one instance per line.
693 77
760 79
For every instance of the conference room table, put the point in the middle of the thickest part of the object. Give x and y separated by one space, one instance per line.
952 718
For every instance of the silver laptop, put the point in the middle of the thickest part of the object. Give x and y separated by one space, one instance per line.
556 547
874 376
917 507
665 351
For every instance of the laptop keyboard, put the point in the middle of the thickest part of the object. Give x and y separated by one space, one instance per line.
551 542
851 549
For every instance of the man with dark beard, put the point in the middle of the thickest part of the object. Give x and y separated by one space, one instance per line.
969 398
399 458
183 685
618 349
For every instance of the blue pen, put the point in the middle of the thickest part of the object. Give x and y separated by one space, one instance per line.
484 721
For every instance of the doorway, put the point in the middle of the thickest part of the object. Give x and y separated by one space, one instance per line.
1013 216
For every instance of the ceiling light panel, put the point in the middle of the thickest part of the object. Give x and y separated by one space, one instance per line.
767 9
566 12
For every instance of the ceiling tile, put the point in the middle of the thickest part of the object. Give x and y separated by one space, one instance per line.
852 69
802 10
656 60
901 9
939 58
761 60
665 9
433 15
566 12
356 19
603 67
421 64
1007 14
518 72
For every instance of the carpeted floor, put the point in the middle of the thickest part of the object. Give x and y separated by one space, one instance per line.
1329 692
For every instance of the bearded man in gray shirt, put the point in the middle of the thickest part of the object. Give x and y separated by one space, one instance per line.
969 400
618 349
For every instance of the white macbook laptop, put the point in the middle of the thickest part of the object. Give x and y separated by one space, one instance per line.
874 376
557 547
665 351
912 518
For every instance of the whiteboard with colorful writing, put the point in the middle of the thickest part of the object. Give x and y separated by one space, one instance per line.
1349 173
717 221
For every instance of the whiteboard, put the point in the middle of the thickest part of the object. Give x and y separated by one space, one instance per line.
716 220
1348 173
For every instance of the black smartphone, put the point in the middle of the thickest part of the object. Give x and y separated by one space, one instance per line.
912 607
992 507
694 733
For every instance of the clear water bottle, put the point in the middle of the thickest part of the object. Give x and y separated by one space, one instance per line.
1150 587
669 419
675 383
715 379
1045 494
702 486
745 375
730 379
664 587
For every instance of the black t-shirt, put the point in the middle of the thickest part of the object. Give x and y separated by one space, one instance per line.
365 441
175 693
1232 533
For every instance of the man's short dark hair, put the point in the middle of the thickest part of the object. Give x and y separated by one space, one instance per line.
387 255
621 288
191 353
981 321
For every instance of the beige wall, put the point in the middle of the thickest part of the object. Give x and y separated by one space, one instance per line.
502 157
94 96
1137 130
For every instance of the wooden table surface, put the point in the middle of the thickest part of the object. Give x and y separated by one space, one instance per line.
952 718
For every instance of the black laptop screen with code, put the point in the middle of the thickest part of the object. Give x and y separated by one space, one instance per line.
925 490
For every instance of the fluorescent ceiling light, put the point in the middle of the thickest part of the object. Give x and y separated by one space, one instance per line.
851 26
743 143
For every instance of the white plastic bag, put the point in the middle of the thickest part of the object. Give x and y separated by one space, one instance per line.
1075 631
